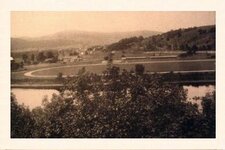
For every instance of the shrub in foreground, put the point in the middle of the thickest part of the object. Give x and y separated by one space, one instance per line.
118 105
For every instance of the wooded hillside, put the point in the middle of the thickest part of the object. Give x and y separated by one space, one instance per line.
196 38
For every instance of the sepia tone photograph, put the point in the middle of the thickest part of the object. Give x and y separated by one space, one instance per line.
112 74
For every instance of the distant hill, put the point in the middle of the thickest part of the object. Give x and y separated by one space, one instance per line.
75 39
198 38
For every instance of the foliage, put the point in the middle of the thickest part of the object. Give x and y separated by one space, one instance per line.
118 104
14 66
21 120
25 57
139 69
49 54
209 115
59 76
41 57
32 57
190 40
125 43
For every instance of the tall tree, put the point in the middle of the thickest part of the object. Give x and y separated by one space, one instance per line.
25 58
41 57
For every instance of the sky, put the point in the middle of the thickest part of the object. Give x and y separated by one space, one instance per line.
34 23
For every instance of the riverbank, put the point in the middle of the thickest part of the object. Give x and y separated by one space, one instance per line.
188 78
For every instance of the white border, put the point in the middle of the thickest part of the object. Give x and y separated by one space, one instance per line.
109 5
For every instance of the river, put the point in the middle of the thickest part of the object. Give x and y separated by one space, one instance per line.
34 97
194 93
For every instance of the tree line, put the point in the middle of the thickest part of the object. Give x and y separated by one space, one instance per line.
32 58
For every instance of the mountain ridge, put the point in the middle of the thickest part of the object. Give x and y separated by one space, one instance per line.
77 39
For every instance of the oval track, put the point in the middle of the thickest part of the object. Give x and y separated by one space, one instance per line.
205 65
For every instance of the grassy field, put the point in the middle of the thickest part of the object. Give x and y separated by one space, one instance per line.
51 70
151 67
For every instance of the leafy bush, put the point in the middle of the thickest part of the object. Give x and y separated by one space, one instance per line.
21 120
139 69
117 105
59 76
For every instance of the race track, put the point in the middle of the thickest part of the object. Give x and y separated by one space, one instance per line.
205 65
